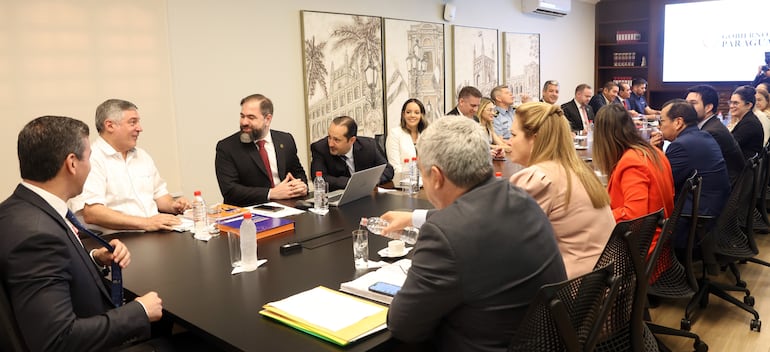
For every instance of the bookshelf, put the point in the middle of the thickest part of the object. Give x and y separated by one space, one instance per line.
622 41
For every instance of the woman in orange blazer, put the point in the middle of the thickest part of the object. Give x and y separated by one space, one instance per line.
640 180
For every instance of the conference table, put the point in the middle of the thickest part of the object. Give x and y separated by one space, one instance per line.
199 293
193 277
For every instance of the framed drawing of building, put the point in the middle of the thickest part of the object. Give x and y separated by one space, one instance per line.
414 67
475 59
342 62
521 64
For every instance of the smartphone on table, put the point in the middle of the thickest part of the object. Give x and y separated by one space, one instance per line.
384 288
265 207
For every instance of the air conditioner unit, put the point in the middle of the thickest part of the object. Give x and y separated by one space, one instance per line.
555 8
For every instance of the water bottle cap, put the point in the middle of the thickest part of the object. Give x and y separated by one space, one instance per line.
197 193
318 173
498 174
247 215
414 158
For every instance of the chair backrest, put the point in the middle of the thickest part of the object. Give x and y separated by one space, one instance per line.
663 269
624 326
727 236
380 139
567 315
10 336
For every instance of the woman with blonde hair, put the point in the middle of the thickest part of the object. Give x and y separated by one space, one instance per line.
563 185
486 115
640 178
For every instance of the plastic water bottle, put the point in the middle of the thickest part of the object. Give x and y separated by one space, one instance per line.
499 175
200 215
406 177
414 175
248 233
590 141
320 196
409 234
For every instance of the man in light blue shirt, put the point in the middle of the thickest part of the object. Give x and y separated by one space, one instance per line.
503 99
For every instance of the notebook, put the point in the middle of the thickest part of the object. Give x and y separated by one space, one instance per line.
360 184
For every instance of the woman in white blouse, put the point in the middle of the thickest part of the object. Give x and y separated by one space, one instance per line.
402 139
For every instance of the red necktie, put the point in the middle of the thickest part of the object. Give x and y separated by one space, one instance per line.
625 104
265 160
586 123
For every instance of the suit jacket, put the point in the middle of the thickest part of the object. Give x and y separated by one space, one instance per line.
243 179
455 112
365 155
597 101
731 151
57 293
472 279
638 187
581 230
697 150
399 146
572 113
749 134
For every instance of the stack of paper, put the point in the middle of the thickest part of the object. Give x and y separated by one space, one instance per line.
394 273
328 314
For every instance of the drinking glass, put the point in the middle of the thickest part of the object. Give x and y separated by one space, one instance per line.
234 244
361 249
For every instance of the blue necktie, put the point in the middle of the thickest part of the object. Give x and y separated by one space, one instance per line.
116 291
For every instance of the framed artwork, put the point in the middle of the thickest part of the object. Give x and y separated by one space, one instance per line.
414 67
521 64
475 59
342 62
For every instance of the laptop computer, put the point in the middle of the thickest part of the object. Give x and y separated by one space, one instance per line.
360 184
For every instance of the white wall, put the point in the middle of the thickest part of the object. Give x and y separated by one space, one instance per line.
213 53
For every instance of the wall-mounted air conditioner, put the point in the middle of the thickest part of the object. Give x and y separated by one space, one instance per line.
556 8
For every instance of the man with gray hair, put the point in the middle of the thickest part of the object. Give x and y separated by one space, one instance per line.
124 190
481 255
503 100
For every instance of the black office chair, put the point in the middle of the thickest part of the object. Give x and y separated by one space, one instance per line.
667 276
10 336
761 221
725 244
625 329
380 139
567 316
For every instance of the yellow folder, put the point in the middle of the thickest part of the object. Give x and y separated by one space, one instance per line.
328 314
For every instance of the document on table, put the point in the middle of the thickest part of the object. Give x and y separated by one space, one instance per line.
394 273
329 314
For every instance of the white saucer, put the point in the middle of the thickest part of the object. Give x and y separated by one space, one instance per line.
384 253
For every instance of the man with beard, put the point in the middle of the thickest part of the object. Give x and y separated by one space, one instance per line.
257 164
124 191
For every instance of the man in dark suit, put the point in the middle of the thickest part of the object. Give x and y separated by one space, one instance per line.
577 111
342 153
705 99
468 101
609 95
472 276
55 289
257 164
690 150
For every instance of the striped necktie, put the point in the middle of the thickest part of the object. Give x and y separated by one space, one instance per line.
116 291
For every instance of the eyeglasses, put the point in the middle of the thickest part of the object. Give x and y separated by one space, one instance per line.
735 103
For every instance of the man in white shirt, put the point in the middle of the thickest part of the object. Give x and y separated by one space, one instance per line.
124 190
